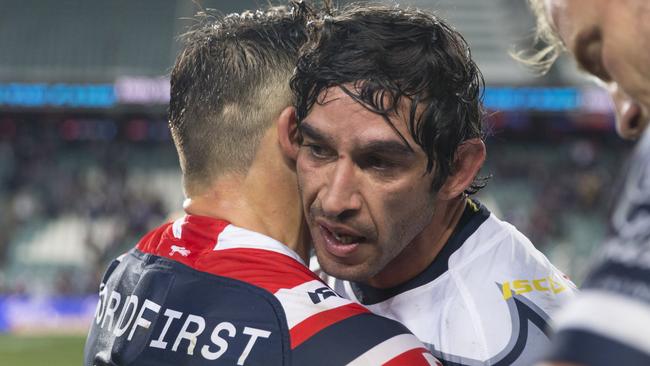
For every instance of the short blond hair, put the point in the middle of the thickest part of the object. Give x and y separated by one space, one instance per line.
547 45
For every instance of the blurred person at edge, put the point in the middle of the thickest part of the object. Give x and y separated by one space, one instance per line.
609 322
389 145
227 283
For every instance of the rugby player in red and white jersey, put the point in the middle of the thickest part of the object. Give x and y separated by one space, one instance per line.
390 122
227 283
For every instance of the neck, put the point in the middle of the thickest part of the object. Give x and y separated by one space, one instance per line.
265 199
424 248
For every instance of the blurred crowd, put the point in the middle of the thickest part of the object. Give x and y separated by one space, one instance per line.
555 193
45 178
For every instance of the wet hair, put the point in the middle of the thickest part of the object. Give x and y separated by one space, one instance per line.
229 83
387 58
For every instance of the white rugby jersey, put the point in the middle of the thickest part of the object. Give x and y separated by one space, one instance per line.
485 300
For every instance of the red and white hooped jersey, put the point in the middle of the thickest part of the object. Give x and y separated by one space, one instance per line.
203 291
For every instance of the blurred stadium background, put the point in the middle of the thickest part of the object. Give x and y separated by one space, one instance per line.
87 165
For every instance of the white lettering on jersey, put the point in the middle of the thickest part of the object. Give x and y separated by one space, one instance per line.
254 333
190 336
109 311
171 315
192 328
140 320
218 341
131 305
99 312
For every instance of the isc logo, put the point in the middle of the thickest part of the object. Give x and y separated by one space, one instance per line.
518 287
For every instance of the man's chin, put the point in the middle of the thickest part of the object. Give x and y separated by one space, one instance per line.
348 272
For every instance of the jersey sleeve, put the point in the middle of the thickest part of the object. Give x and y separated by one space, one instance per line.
603 328
364 339
326 329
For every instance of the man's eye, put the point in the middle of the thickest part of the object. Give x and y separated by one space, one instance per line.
589 55
378 163
318 151
594 64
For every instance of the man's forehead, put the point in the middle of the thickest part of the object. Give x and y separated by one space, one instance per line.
358 143
342 94
338 114
359 131
349 97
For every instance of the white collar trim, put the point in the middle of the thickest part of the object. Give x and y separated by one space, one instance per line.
233 237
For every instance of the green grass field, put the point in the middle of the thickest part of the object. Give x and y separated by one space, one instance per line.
41 350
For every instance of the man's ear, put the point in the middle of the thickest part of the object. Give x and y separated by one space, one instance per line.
288 133
470 156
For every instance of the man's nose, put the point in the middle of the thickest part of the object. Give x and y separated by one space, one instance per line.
341 196
629 116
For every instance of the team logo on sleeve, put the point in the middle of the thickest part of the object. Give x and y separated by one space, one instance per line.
180 250
321 294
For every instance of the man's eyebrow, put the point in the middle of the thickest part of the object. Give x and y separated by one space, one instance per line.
390 147
312 133
372 147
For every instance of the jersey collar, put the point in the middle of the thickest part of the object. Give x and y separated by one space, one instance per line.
223 235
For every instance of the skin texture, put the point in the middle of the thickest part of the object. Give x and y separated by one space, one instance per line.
610 40
358 178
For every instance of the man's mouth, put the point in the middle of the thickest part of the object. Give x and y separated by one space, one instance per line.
338 242
346 239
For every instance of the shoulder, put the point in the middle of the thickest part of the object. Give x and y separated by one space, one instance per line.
150 242
610 317
603 328
326 329
498 262
154 310
500 247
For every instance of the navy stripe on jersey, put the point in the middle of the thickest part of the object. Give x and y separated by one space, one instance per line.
473 216
621 278
346 340
587 348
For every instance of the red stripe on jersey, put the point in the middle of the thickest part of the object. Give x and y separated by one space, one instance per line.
412 357
269 270
263 268
317 322
150 242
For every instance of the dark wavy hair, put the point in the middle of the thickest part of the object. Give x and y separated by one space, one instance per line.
391 56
